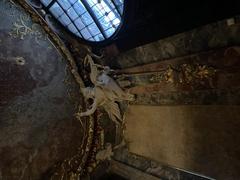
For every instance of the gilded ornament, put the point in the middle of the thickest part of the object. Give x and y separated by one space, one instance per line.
188 74
22 28
169 75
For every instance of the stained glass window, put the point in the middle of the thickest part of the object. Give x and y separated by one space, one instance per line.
92 20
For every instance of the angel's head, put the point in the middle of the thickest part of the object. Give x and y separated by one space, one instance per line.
88 92
106 69
108 146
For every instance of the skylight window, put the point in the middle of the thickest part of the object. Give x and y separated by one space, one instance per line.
92 20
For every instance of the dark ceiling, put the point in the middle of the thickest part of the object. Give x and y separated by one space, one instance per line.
146 21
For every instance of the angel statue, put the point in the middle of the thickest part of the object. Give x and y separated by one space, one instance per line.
106 92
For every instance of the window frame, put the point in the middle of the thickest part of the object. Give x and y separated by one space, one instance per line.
107 40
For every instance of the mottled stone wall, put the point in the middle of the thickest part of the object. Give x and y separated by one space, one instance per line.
152 167
187 100
38 99
200 139
206 78
211 36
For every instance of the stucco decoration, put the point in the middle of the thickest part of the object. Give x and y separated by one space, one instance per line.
187 74
107 152
105 92
23 27
35 83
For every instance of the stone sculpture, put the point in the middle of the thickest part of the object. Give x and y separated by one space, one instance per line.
105 92
108 151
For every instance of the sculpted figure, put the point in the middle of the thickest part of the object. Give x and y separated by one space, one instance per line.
106 92
108 151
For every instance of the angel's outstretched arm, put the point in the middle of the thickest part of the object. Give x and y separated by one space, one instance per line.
89 111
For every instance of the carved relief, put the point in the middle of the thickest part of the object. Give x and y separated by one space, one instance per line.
184 74
104 93
196 73
23 27
108 151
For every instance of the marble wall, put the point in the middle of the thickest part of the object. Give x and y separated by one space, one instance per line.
186 113
212 36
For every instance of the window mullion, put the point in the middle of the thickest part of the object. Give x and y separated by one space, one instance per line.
69 17
98 26
50 5
94 18
116 7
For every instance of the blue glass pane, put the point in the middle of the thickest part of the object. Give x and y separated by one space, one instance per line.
64 4
72 1
98 13
86 18
119 4
91 39
46 2
102 7
110 3
111 16
72 28
79 7
72 14
64 19
99 37
86 33
105 23
116 22
56 10
114 9
92 2
78 34
110 32
120 8
79 23
93 29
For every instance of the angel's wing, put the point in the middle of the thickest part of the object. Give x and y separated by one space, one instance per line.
113 111
94 71
115 90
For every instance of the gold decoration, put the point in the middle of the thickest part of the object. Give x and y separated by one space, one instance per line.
169 75
196 74
22 28
185 74
156 77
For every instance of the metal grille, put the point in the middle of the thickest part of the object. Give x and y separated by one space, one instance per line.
92 20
